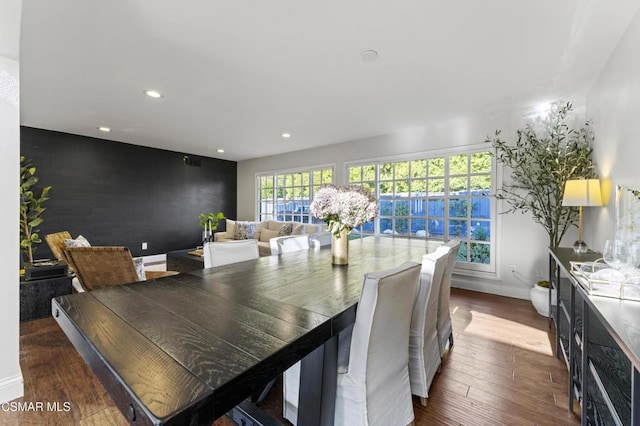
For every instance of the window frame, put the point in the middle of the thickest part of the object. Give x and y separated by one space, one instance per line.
274 201
476 269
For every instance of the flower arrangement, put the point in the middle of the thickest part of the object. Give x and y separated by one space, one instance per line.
344 207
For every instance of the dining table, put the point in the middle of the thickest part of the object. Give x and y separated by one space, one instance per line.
188 348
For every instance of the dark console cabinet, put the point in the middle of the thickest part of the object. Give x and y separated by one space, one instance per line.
599 338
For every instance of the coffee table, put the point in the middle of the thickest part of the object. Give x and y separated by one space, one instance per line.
182 261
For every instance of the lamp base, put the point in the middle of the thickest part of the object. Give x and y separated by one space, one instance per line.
580 247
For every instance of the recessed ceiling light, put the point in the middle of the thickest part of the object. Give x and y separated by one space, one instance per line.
153 94
104 129
368 55
286 135
220 151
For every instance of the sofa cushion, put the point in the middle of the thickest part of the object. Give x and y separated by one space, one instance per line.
274 225
297 229
267 234
285 229
264 249
310 229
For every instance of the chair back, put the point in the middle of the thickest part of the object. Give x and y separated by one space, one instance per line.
293 243
444 316
55 242
320 239
98 267
424 348
224 253
379 356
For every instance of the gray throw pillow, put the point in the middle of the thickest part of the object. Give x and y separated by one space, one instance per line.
244 230
285 229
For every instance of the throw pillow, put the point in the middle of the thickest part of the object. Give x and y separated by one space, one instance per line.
79 241
139 262
230 227
285 229
267 234
244 230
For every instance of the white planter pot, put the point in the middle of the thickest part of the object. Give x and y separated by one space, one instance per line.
540 299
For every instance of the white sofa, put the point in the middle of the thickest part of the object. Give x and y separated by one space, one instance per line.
267 232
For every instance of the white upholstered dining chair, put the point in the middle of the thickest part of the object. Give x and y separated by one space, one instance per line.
424 347
445 330
292 243
373 383
218 254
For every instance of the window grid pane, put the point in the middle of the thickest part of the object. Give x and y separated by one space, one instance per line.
289 198
440 197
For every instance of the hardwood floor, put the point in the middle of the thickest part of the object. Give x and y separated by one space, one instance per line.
501 371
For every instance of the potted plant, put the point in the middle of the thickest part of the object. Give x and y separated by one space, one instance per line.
31 208
35 295
209 223
540 297
545 155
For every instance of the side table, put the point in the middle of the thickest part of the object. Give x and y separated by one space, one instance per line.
36 295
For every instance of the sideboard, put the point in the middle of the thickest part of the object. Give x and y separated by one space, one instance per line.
599 339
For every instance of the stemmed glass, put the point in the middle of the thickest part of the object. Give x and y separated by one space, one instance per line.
615 254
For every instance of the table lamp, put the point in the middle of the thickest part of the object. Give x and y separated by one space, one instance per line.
582 192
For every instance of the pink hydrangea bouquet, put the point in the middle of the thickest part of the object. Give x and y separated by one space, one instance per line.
344 207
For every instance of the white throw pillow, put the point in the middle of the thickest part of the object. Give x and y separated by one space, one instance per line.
79 241
230 227
139 262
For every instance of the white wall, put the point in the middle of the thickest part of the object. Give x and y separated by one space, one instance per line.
10 375
614 105
521 242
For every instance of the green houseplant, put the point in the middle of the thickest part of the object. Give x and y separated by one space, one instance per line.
545 155
209 221
31 208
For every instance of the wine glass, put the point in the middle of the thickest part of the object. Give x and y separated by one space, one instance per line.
615 253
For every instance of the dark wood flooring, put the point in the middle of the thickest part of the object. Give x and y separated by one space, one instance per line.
501 371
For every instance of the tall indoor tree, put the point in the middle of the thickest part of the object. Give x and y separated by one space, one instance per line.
546 154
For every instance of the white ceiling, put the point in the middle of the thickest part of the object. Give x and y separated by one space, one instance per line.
237 74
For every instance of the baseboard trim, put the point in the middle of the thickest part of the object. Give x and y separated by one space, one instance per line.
499 288
11 388
154 258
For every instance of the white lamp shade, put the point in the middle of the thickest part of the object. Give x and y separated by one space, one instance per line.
582 192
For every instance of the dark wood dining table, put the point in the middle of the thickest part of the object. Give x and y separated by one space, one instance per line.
186 349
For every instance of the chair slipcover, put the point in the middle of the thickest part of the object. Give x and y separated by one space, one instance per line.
445 332
424 348
218 254
375 389
292 243
320 239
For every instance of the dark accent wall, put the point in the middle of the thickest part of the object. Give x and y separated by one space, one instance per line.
120 194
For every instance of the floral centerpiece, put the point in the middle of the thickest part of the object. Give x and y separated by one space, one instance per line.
343 209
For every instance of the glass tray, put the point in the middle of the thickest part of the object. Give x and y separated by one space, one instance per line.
599 279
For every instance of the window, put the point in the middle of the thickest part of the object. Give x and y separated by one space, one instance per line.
286 196
439 197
